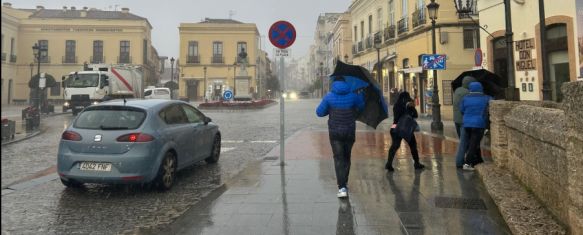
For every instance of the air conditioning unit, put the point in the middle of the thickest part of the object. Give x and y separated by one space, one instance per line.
443 37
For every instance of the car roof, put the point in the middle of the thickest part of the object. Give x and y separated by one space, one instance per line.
139 103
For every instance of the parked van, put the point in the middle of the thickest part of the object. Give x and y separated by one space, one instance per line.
157 93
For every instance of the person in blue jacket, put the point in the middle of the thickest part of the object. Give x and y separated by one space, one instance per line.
342 106
474 108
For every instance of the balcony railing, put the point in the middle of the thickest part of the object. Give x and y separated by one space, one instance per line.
377 38
418 18
69 59
389 32
3 56
97 59
12 58
368 42
241 60
218 59
354 49
192 59
402 26
124 59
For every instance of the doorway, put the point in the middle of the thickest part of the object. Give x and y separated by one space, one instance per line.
192 89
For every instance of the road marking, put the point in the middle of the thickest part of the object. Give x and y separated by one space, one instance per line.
264 141
232 141
223 149
249 141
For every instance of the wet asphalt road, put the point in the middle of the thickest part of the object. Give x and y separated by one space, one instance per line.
47 207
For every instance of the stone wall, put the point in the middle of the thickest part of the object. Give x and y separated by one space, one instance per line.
541 143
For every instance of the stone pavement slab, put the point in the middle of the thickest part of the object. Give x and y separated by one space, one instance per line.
300 198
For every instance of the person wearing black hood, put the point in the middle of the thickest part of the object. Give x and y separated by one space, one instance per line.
403 106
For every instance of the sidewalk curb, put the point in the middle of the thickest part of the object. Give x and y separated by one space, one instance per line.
523 213
36 133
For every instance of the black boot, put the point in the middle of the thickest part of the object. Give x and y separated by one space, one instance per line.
418 166
389 165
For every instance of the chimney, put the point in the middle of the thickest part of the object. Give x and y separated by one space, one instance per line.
64 8
7 4
73 8
38 8
125 10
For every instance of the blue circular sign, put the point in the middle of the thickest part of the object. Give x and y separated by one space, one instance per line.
227 95
282 34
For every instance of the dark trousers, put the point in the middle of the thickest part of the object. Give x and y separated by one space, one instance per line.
342 150
474 135
458 127
396 144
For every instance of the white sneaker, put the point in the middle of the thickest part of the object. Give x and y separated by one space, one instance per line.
467 167
342 193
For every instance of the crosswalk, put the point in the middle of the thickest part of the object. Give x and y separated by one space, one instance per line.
228 149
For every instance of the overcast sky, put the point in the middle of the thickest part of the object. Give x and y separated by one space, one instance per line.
166 15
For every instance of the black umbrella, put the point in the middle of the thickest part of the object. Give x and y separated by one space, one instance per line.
49 82
361 81
493 84
171 84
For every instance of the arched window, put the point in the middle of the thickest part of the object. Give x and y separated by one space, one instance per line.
500 58
558 58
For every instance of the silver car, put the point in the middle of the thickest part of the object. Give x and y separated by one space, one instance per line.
136 141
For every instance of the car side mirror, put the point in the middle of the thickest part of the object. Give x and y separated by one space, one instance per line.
207 120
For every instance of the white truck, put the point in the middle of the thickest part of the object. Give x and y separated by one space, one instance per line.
100 82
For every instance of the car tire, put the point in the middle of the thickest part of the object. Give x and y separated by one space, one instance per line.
216 151
167 172
71 183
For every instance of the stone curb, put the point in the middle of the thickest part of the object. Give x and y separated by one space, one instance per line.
523 213
40 131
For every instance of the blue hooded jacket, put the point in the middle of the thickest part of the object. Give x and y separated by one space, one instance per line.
474 107
343 107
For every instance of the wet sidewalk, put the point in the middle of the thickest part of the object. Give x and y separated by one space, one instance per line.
300 198
14 113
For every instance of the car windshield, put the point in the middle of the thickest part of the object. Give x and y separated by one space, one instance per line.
83 80
110 118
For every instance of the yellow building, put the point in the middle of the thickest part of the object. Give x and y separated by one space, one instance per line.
209 55
72 37
402 29
561 44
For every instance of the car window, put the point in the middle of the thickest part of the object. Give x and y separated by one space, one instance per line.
173 115
194 116
161 92
148 93
110 118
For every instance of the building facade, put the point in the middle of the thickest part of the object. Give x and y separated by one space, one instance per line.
399 33
321 52
71 38
561 44
211 51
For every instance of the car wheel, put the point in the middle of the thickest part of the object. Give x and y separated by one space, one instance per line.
167 173
216 151
71 183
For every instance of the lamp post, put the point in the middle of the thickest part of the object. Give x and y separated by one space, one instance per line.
31 93
36 49
172 76
547 88
511 92
204 88
436 124
377 45
322 79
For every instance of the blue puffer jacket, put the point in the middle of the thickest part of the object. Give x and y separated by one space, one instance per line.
342 106
474 107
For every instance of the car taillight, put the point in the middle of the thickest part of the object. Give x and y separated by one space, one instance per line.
71 135
135 137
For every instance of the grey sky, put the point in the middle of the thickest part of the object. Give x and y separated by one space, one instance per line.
165 16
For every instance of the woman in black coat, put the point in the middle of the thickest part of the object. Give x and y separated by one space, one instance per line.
403 106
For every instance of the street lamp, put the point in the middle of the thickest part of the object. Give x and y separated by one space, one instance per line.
377 45
204 90
322 79
36 50
172 77
436 124
511 92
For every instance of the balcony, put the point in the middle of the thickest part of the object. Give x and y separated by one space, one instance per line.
369 42
360 46
218 59
69 59
124 59
3 56
12 58
192 59
418 18
402 26
97 59
389 32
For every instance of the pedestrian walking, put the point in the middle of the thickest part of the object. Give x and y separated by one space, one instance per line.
458 95
342 107
402 108
474 108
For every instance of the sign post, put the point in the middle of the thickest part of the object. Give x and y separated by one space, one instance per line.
282 35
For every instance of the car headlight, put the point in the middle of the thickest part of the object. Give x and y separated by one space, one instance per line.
293 95
95 102
284 95
66 104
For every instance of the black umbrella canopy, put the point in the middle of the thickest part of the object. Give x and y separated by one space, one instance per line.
493 84
171 84
50 81
343 69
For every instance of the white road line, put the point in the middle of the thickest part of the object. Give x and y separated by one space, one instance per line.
232 141
264 141
223 149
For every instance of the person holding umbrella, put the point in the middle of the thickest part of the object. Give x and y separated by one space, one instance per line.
403 107
474 108
342 106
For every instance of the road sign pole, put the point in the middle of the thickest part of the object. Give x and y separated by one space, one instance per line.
281 113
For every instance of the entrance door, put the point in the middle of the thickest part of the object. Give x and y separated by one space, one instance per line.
192 91
559 66
500 59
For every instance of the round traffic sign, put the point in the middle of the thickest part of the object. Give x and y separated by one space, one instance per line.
227 95
478 57
282 34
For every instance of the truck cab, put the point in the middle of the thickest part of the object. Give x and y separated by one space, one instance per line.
83 89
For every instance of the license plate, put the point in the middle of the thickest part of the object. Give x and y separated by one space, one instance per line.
95 166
